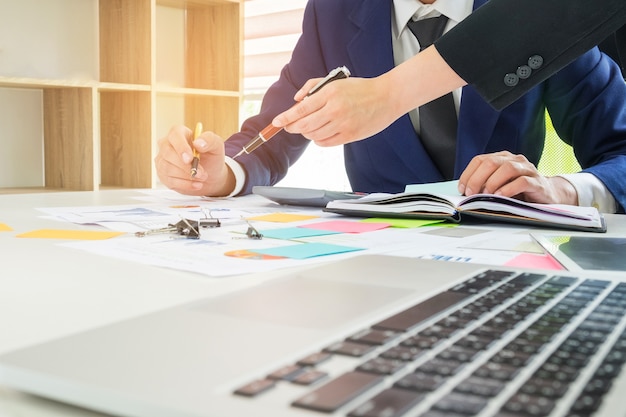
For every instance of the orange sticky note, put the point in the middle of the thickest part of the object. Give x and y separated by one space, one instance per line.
70 234
283 217
5 228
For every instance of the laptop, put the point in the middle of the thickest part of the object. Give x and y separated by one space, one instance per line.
372 335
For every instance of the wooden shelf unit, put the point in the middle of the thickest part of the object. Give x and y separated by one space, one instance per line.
102 131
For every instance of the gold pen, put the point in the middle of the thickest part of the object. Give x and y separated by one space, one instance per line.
196 155
270 130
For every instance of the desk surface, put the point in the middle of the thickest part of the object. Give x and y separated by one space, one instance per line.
48 290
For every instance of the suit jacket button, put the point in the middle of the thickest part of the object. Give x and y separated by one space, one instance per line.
511 80
523 72
535 62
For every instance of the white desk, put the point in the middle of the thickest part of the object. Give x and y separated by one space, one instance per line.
47 291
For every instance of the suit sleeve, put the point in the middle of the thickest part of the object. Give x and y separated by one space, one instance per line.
506 47
269 163
587 103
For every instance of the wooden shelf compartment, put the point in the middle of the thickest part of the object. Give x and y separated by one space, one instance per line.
126 139
213 53
126 31
100 102
69 138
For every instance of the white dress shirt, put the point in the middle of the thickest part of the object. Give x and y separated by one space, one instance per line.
591 191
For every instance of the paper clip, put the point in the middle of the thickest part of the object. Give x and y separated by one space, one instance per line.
209 221
251 233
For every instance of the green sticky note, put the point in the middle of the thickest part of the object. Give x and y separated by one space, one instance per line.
404 223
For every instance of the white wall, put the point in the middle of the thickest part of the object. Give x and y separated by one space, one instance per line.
68 50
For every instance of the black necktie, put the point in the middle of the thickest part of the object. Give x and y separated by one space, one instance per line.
438 122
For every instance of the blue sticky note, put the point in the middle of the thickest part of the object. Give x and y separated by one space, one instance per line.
307 250
445 188
294 233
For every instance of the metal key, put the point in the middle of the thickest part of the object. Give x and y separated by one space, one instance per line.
163 230
187 228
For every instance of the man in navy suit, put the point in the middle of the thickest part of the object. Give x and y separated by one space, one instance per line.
586 100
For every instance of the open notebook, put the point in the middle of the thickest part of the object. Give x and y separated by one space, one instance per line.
367 336
443 201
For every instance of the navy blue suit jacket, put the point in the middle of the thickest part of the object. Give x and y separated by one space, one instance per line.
586 100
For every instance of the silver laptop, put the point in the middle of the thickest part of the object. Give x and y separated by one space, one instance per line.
368 336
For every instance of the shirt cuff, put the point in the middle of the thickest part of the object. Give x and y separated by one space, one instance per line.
240 175
591 192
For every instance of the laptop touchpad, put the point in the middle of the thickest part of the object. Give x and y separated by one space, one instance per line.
306 302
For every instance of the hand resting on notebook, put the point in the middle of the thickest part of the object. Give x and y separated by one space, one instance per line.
504 173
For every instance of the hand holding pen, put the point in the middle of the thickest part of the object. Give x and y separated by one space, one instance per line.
354 109
270 130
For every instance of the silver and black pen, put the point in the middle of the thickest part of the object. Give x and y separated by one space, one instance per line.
270 130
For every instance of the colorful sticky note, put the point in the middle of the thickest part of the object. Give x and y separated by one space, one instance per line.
70 234
531 260
307 250
404 223
444 187
283 217
295 233
344 226
5 228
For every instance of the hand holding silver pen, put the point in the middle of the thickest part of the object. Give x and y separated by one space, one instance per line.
270 130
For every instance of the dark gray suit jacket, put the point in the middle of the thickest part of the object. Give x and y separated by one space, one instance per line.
489 47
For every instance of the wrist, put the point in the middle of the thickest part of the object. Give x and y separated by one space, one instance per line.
565 191
394 84
236 177
220 184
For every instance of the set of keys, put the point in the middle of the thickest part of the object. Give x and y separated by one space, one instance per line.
189 229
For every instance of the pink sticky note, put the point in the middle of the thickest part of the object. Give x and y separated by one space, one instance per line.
344 226
532 260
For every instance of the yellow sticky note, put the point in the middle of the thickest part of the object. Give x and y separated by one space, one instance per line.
5 228
283 217
70 234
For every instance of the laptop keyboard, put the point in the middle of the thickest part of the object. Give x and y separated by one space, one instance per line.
500 344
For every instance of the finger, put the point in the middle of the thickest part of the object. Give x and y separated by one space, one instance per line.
472 173
308 86
489 172
179 138
209 142
174 176
167 158
520 187
466 175
314 127
476 174
299 111
185 186
510 168
212 153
